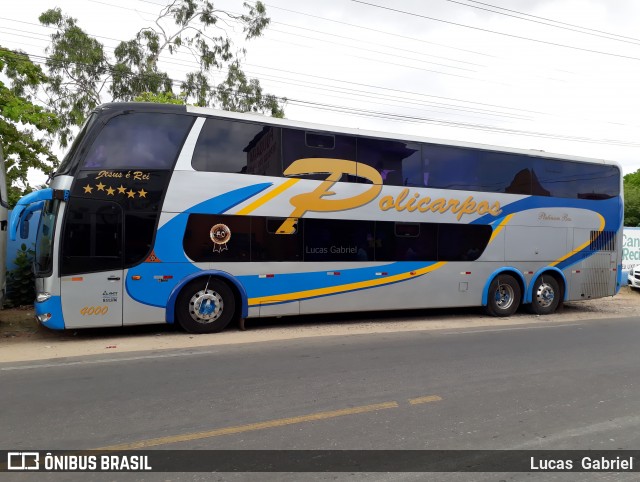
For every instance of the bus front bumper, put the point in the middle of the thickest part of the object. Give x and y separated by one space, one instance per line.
49 313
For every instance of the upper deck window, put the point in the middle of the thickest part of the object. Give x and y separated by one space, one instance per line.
577 180
299 144
451 167
238 147
141 139
399 163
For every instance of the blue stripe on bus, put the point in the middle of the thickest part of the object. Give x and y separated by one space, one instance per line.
174 263
168 249
170 252
609 209
150 291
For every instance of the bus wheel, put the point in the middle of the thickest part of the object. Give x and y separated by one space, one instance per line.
504 296
205 306
546 295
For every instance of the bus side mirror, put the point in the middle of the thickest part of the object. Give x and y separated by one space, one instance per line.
34 201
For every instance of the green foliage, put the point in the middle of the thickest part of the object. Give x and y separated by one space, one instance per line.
83 75
21 280
77 65
632 199
632 179
24 126
631 204
237 93
161 98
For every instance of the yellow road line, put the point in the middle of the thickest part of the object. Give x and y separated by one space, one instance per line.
267 197
281 422
427 399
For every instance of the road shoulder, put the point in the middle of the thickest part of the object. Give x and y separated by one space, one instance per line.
38 343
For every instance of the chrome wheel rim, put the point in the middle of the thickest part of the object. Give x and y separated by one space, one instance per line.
206 306
545 295
504 296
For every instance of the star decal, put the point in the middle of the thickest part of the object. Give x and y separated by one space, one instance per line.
131 194
122 189
110 191
100 186
88 189
142 193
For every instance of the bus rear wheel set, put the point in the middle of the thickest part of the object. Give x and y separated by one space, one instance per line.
505 295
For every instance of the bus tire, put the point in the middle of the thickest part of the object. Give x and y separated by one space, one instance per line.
504 296
545 296
206 305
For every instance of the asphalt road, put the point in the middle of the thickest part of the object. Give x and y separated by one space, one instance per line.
565 386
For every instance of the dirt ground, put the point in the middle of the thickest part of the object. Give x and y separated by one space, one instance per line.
22 339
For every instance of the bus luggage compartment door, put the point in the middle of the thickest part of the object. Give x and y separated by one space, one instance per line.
280 309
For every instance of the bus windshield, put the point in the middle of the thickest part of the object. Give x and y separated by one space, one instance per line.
65 165
44 245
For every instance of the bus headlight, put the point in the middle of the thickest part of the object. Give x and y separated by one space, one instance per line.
42 296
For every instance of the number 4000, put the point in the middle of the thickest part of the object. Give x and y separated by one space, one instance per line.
94 310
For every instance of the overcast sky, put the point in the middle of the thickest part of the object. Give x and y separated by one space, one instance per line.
471 71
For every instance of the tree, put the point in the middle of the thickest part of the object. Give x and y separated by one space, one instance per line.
162 98
21 280
25 128
83 75
632 178
632 199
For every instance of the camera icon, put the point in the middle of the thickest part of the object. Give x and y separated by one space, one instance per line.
23 461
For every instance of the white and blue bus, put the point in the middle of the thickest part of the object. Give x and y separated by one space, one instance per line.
177 214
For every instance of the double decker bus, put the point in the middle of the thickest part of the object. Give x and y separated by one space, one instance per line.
188 215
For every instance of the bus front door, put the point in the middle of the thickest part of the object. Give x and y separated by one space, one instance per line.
92 264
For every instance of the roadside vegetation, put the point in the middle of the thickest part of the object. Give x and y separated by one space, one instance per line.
45 99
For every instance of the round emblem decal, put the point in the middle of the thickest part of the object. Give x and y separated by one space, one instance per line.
220 234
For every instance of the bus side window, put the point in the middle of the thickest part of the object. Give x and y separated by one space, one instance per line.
267 245
299 144
214 237
338 240
237 147
577 180
399 163
138 232
397 241
453 167
462 242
